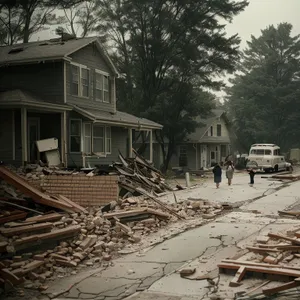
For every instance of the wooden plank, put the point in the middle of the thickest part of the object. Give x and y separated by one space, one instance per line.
76 206
257 288
297 234
145 193
28 268
52 217
236 281
65 232
24 229
19 216
248 263
7 275
261 249
280 288
289 213
255 269
135 212
283 237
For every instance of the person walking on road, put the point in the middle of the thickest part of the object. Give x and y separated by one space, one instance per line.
251 172
229 172
217 170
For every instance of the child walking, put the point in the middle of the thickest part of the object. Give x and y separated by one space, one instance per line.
229 172
251 172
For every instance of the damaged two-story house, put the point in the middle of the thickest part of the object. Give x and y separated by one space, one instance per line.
64 90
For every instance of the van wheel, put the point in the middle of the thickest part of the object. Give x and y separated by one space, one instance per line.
276 168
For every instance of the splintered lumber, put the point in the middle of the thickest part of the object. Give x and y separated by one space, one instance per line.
19 216
28 242
265 270
261 249
145 193
257 288
24 229
251 264
19 206
283 237
236 281
9 276
126 229
77 207
37 196
134 212
28 268
297 234
262 239
45 218
280 288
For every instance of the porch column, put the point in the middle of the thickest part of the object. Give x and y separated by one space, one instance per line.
129 142
63 137
151 145
24 135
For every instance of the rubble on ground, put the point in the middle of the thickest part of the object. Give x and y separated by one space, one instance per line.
274 258
46 236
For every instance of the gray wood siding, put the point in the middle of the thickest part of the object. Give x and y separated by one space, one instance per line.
89 56
45 80
6 135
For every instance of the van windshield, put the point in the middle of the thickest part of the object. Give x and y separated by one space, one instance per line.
261 152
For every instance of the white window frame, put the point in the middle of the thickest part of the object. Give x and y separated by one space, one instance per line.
80 89
108 140
84 136
80 135
103 74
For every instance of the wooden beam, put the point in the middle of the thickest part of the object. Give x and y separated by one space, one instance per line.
24 135
24 229
280 288
283 237
236 281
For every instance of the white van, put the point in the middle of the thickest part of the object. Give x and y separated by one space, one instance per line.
266 157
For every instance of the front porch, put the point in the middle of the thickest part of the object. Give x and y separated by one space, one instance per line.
22 123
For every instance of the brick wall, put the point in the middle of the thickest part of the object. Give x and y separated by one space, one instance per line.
82 189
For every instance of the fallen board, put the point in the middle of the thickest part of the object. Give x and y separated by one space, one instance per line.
25 229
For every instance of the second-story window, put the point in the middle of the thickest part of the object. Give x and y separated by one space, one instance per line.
84 79
102 87
75 80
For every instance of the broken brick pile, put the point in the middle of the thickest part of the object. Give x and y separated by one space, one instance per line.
53 245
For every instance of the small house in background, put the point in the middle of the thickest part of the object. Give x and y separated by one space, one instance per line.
64 89
209 144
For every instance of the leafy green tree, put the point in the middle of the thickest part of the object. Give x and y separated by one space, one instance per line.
264 99
166 51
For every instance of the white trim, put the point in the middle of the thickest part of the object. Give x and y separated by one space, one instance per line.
80 120
65 82
48 106
13 136
90 136
80 67
24 134
108 139
63 142
102 72
130 142
104 139
151 146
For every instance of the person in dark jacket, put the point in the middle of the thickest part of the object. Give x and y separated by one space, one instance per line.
217 170
251 172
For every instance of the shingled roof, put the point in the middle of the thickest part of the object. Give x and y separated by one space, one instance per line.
48 50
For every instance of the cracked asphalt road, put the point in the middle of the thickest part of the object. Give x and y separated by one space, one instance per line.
151 274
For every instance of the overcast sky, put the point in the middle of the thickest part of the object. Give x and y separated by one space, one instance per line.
258 15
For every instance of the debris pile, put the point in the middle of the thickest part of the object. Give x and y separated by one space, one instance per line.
276 256
138 173
58 244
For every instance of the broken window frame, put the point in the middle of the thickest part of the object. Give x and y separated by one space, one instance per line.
79 135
